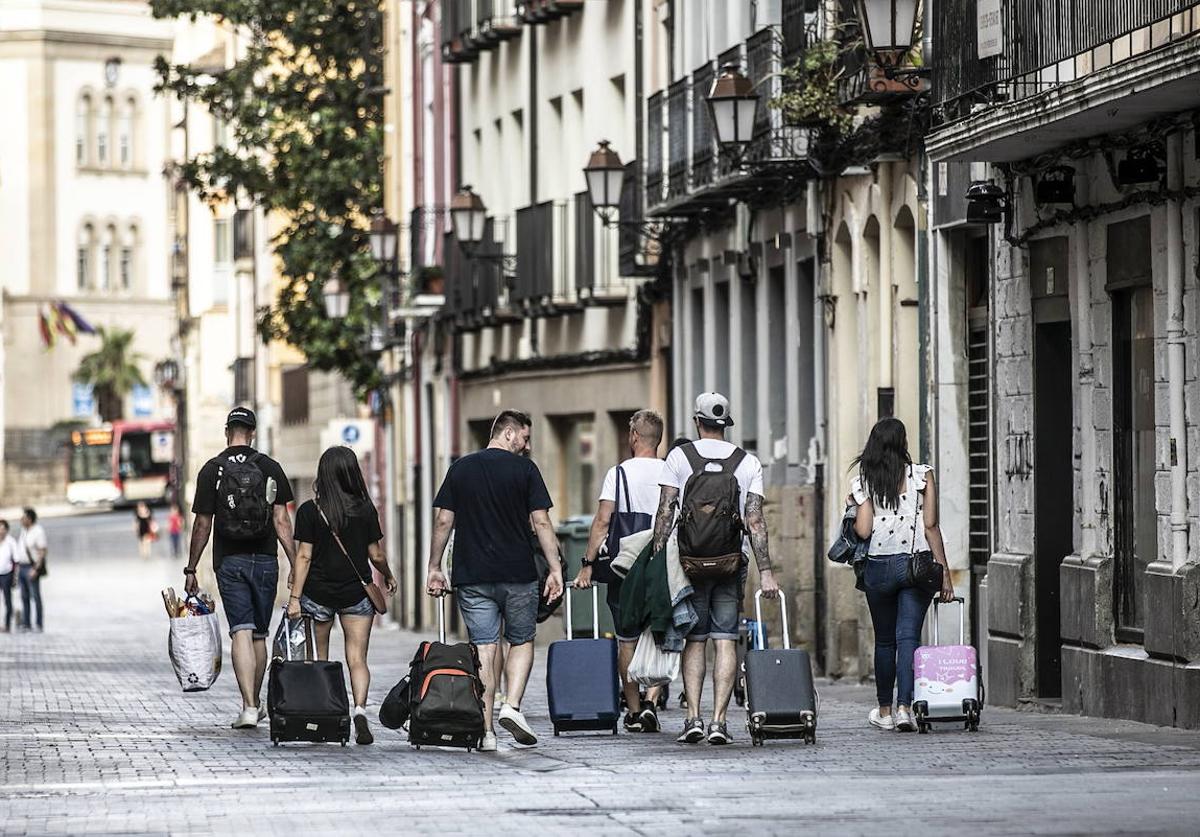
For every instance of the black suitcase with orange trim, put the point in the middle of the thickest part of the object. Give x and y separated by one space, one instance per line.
445 693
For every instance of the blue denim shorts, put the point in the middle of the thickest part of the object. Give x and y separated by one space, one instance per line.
247 584
718 604
483 605
325 614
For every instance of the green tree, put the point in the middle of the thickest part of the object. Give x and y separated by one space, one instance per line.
304 108
112 370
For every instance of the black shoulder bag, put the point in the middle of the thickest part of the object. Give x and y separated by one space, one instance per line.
924 572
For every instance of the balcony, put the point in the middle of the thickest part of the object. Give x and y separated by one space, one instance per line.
686 172
544 11
472 27
1044 72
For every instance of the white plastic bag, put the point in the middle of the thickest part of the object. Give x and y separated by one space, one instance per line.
194 644
652 666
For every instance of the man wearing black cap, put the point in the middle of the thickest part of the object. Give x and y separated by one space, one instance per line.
245 494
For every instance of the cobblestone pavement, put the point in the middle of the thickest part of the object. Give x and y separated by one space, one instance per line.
97 738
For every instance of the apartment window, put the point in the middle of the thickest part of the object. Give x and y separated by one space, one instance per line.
83 259
125 133
295 395
243 380
222 241
83 122
220 132
102 132
106 260
125 257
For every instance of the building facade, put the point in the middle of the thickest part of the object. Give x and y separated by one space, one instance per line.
1080 302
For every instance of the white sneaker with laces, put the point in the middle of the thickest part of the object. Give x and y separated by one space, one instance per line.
488 744
904 721
262 713
248 719
513 721
880 720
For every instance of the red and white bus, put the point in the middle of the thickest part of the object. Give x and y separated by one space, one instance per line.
122 463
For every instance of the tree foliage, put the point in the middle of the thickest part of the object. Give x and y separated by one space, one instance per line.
112 371
303 105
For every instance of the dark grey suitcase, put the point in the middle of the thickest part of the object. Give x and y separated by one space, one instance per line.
306 699
781 700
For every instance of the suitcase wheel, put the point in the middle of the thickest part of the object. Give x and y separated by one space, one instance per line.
556 731
275 741
614 729
922 727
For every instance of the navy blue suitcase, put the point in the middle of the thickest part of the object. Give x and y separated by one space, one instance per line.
581 678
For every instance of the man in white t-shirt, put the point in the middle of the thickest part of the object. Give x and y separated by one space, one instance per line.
634 484
31 563
716 599
8 565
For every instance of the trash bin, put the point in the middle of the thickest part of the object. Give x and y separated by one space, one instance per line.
573 536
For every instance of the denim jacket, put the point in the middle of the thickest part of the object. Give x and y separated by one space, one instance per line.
848 547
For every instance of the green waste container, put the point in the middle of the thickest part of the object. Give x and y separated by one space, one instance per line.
573 536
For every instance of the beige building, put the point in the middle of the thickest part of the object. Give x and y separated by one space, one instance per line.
83 214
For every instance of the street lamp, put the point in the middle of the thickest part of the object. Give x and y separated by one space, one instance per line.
336 296
468 216
384 239
889 27
605 176
732 104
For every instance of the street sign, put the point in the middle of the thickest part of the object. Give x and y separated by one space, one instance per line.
143 401
83 400
358 434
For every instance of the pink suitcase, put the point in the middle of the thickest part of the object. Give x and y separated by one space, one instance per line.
947 679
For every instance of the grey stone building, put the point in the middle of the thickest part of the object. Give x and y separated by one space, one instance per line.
1079 300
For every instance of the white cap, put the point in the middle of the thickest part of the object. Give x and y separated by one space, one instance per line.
713 408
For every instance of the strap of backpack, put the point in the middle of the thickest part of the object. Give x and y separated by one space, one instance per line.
730 465
694 458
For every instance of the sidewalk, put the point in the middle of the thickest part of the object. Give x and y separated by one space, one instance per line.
98 738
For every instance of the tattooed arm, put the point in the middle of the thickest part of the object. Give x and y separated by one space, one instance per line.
665 515
756 524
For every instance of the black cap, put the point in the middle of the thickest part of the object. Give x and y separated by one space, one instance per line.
242 416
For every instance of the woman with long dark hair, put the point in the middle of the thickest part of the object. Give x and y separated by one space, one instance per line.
898 511
329 581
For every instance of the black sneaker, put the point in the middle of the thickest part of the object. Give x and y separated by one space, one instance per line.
362 732
649 718
633 723
718 733
693 731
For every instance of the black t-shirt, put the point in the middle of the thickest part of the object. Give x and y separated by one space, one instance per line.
331 580
492 493
205 502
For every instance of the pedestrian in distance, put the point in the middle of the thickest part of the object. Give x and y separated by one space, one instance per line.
700 477
175 530
31 567
8 566
145 527
635 484
241 501
338 541
898 511
488 500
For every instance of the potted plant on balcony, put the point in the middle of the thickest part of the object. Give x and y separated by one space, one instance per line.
811 95
429 279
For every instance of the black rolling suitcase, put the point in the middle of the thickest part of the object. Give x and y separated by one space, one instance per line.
445 693
781 700
306 699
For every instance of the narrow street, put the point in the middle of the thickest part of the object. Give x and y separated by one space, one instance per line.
98 738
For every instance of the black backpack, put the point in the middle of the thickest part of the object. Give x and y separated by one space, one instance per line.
710 520
243 511
445 696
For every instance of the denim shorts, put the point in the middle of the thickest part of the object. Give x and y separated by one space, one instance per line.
247 584
325 614
482 606
718 604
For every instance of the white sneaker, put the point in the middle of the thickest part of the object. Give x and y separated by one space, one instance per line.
880 720
904 721
248 719
262 713
488 744
513 721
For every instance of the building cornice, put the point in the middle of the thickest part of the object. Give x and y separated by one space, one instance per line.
70 38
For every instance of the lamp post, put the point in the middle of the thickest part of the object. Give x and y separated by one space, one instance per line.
889 28
732 104
468 217
336 296
605 176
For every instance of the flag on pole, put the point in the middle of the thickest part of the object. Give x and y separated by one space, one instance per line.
63 324
80 323
44 328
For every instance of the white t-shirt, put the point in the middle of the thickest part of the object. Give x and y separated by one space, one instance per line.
8 554
32 539
643 475
892 531
749 474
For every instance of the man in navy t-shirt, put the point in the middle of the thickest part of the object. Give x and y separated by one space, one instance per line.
488 499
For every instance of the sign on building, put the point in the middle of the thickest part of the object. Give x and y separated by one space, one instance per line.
143 401
358 434
989 28
83 401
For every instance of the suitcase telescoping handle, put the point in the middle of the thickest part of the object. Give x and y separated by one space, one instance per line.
762 643
310 642
570 585
441 600
962 620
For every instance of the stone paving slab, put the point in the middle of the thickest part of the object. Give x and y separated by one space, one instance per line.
97 738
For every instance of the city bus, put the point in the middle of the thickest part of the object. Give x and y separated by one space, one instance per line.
121 463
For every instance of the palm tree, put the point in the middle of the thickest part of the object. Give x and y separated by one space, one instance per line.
112 370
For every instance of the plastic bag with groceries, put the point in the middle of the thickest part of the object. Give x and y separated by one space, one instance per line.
194 641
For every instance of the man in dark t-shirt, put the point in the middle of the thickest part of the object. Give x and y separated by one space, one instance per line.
246 492
489 499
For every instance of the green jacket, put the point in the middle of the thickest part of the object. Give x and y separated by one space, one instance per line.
645 600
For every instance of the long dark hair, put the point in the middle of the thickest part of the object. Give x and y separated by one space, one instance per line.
883 462
341 491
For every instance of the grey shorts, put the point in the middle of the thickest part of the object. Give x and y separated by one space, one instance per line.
321 613
718 605
483 605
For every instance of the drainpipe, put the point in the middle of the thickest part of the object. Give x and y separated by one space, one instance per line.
1176 359
887 352
1087 382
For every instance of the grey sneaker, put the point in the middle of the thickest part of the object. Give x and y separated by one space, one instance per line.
693 731
649 718
633 723
904 721
718 733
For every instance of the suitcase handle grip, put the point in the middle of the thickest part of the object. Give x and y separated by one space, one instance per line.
567 588
758 615
310 643
962 620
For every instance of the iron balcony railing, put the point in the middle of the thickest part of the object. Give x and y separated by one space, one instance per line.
470 27
1043 43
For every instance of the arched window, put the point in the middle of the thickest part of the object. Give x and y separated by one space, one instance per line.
125 132
83 258
104 132
83 129
126 263
107 256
